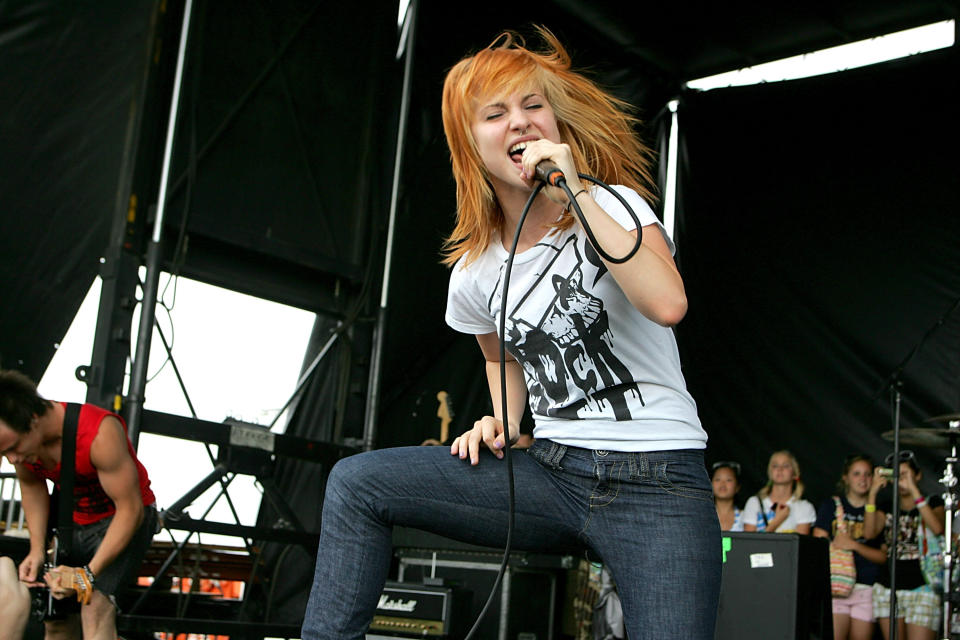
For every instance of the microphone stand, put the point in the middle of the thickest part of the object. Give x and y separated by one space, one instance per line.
895 397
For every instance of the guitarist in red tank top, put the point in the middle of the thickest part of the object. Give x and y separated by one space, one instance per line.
114 514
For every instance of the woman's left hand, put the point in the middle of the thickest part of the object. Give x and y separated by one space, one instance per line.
487 431
560 155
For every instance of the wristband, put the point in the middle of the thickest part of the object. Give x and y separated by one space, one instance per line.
870 508
922 502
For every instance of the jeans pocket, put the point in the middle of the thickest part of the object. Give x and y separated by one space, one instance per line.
684 479
548 454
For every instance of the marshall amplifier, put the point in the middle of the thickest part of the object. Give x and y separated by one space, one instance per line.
417 610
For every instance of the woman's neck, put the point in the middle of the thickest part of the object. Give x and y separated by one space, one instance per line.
856 499
543 213
781 492
724 504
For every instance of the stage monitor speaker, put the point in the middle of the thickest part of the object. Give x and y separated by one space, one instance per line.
775 586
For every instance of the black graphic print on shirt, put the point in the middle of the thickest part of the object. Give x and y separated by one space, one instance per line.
560 333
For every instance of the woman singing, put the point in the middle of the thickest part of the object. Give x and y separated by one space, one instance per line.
616 466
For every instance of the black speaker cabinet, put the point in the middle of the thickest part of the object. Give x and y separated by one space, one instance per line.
775 585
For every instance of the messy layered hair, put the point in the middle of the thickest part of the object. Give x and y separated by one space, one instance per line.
597 126
19 400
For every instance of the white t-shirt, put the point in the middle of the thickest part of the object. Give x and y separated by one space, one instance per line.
801 512
587 354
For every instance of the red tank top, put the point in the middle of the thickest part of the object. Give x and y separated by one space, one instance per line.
92 503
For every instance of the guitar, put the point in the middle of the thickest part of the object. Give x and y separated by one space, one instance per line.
75 578
445 415
43 606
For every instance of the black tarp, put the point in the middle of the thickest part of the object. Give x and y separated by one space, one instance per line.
820 242
68 78
282 162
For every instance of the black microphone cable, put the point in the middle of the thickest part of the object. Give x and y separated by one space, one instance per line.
547 172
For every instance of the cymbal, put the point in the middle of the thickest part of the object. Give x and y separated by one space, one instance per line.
948 418
925 437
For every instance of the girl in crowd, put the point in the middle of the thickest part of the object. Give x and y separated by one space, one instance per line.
921 518
779 506
853 616
725 479
616 464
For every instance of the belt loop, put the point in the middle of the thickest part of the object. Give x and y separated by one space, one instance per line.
557 451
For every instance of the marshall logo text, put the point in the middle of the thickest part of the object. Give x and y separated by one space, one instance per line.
396 605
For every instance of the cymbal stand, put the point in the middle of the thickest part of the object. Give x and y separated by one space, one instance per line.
949 482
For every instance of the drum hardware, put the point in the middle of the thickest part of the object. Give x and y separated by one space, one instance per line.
949 482
945 437
894 384
926 437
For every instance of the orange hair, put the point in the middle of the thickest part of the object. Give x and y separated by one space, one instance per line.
596 125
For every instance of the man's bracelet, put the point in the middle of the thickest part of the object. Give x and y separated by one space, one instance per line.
870 508
90 576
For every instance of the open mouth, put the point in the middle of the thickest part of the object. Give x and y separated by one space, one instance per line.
516 151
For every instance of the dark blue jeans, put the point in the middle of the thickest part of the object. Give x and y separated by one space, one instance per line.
649 516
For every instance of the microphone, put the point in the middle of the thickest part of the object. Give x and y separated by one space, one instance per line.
550 173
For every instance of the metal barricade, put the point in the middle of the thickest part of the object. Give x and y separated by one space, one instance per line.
11 514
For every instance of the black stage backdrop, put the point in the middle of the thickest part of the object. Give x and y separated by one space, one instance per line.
69 75
820 244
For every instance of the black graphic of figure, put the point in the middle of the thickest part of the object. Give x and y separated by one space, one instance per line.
592 353
572 344
543 361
